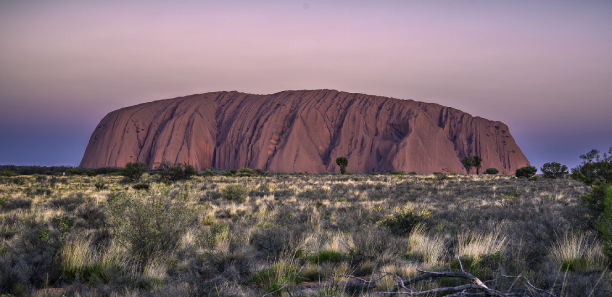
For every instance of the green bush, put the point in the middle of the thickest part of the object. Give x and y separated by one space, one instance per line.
8 173
402 222
179 171
604 224
554 170
412 173
594 169
91 173
236 193
527 171
208 172
439 175
74 171
134 171
396 172
491 171
230 172
150 223
342 161
100 185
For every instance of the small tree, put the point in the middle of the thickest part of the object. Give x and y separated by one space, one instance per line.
342 161
594 169
468 162
477 162
134 171
526 171
554 170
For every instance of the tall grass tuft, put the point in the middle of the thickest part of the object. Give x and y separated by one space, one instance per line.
574 253
424 248
475 245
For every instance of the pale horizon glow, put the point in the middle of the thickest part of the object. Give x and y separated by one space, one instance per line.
542 67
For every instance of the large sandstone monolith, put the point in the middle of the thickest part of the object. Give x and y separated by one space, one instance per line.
300 131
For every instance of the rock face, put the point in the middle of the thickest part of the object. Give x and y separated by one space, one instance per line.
301 131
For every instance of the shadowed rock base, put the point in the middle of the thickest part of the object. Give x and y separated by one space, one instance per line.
301 131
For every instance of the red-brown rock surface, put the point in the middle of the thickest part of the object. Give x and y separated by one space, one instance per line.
300 131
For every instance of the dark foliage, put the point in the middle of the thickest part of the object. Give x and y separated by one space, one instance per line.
74 171
16 204
342 161
554 170
141 187
594 169
134 171
468 163
527 171
179 171
491 171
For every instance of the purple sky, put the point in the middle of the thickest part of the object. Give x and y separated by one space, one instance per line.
542 67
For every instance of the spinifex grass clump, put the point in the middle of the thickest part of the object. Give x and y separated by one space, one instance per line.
402 222
277 276
326 256
576 253
423 247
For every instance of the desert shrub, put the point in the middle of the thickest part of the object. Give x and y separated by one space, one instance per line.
134 171
396 172
74 171
326 256
179 171
69 203
439 175
141 187
553 170
208 172
236 193
374 173
100 185
229 173
594 169
402 222
342 161
91 173
491 171
604 225
526 171
16 204
149 224
412 173
8 173
92 216
247 172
